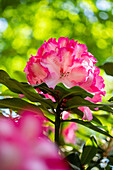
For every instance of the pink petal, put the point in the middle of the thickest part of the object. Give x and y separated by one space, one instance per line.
65 115
35 72
73 43
80 49
89 58
100 82
66 58
52 62
20 149
87 113
78 74
21 95
52 79
97 97
63 42
51 45
41 51
90 84
69 133
29 125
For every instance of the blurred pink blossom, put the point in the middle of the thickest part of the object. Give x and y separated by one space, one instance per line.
69 133
24 147
67 62
65 115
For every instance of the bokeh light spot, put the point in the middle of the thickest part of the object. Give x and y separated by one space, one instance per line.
103 5
3 24
18 63
32 51
103 15
101 43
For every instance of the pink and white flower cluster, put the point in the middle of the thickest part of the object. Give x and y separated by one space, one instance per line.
24 147
67 62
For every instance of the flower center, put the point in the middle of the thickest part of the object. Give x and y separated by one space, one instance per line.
64 74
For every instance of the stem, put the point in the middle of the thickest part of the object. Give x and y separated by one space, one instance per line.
49 119
57 126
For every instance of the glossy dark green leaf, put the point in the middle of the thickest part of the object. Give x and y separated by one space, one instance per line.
95 119
88 153
108 167
18 104
111 159
76 111
45 89
12 84
22 88
8 93
74 161
70 92
111 99
106 107
78 101
94 142
90 126
80 114
108 68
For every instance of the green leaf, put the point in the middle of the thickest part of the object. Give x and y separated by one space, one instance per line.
106 107
78 101
95 119
88 153
80 114
74 161
18 87
45 89
70 92
8 93
76 111
18 104
94 142
90 126
108 68
23 88
111 99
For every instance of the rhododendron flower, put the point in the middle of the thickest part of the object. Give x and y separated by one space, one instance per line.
65 115
24 147
67 62
69 133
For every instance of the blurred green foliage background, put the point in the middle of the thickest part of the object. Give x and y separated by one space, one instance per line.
26 24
